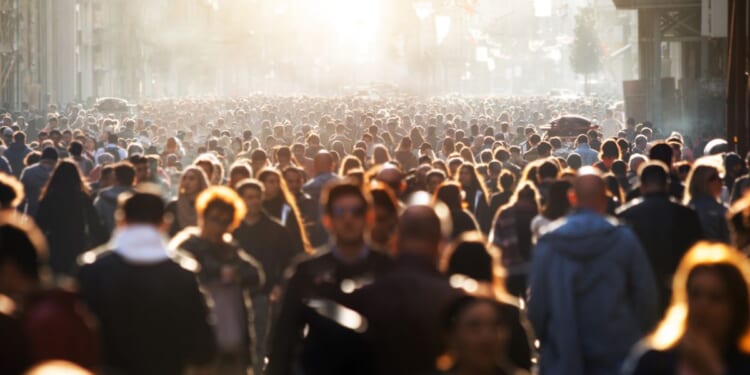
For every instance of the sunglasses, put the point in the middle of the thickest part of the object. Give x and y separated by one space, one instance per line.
339 212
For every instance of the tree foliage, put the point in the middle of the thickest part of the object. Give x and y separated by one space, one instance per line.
586 55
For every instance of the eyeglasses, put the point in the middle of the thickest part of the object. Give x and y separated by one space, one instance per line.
339 212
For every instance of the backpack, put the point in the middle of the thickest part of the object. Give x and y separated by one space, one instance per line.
114 151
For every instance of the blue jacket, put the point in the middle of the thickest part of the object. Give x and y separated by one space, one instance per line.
592 295
588 156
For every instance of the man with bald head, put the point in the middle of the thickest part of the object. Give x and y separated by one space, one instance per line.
402 307
592 293
391 175
323 165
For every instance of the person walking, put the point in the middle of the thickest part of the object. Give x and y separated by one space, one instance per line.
592 291
152 316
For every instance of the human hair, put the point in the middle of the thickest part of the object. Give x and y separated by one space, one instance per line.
662 152
548 169
502 154
380 155
348 163
555 142
654 173
142 208
21 248
449 192
610 149
619 168
506 180
476 182
124 173
472 256
250 183
221 198
201 175
65 183
557 204
11 192
583 138
336 190
75 148
698 181
383 197
574 161
733 269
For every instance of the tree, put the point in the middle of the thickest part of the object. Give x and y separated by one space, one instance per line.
586 56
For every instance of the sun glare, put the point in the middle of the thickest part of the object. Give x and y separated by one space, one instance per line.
355 22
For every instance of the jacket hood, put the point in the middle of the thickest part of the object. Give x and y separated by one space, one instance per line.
583 234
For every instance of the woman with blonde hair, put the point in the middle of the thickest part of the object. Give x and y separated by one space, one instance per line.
705 330
702 194
192 182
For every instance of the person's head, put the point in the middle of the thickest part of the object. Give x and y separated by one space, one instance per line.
238 172
662 152
22 252
557 204
619 169
392 176
449 192
548 170
654 178
348 163
75 148
419 233
589 191
385 205
347 213
19 137
220 210
273 182
65 183
471 257
434 178
141 165
703 181
295 178
574 161
323 162
251 191
11 192
140 208
50 154
582 139
380 155
477 334
709 299
610 151
192 182
258 161
124 173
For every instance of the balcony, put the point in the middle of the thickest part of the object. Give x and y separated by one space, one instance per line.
655 4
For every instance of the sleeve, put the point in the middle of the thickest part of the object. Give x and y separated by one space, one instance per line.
644 298
538 310
286 333
250 271
201 342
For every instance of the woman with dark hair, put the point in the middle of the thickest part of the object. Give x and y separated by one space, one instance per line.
280 204
405 156
386 207
476 195
67 217
610 151
557 206
702 194
192 182
463 220
482 336
615 193
511 232
705 330
348 163
380 155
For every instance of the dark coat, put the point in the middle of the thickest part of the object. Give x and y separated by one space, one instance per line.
320 278
271 244
71 226
666 362
667 230
153 318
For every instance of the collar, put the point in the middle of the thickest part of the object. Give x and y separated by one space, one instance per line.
363 253
140 243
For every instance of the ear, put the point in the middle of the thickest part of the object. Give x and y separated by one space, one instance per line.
572 198
327 224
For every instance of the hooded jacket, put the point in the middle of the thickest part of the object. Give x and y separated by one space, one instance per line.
593 294
15 154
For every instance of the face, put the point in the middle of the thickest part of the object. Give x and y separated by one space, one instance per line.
190 183
253 201
348 219
709 306
216 222
272 185
715 185
465 177
293 181
385 225
479 336
141 172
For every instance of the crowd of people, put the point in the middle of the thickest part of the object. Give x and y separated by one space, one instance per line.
303 235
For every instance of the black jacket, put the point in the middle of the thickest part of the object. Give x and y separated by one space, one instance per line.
153 318
321 350
666 229
270 243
